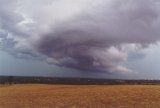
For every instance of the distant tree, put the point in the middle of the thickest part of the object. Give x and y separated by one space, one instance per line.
10 80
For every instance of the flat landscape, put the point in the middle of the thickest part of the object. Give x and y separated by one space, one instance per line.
79 96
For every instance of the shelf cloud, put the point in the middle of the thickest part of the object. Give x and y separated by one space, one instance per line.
88 35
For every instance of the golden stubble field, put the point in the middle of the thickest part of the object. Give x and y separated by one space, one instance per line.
79 96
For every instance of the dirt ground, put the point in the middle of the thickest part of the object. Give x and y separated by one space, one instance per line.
79 96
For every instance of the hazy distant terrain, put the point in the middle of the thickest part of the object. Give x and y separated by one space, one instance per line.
73 81
79 96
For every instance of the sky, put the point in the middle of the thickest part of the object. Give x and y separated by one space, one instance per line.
80 38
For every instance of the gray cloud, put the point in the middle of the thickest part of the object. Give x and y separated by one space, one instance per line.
86 35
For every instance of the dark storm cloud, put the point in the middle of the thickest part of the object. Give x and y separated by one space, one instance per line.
83 34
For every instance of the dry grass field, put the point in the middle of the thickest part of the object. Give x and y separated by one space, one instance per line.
79 96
